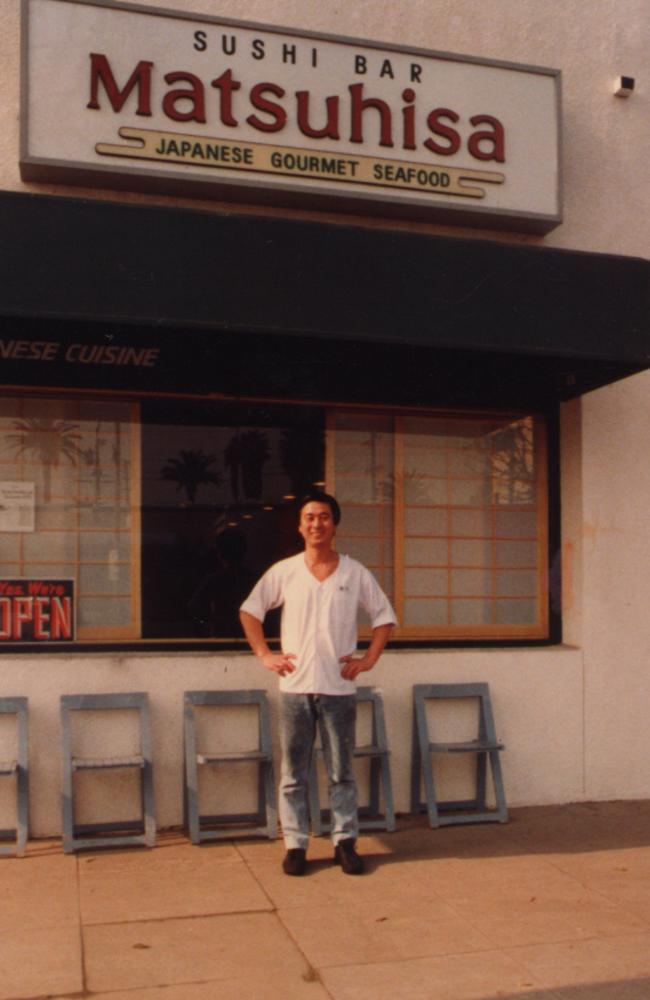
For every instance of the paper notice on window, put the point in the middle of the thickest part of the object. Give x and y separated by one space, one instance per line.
17 506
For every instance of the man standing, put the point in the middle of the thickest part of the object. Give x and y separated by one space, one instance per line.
320 593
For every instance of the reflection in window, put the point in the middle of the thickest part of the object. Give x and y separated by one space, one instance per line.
450 513
219 482
82 458
165 513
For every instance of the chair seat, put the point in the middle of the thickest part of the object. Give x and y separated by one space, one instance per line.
230 756
465 746
371 750
100 763
8 766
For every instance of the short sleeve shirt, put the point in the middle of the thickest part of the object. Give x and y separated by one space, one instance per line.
319 618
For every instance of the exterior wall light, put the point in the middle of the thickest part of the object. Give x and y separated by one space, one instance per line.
624 86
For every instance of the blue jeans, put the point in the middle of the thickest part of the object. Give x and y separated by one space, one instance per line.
335 715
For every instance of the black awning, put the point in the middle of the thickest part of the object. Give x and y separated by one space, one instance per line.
558 321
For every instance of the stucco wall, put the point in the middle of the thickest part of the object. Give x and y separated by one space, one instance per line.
616 554
574 718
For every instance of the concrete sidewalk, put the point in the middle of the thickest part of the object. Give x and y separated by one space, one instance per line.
556 904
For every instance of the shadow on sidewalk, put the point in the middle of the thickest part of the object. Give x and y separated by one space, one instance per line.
620 989
569 829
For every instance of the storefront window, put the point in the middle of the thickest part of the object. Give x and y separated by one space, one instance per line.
164 513
73 468
219 483
450 512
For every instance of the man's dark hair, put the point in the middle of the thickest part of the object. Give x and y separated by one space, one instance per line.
318 496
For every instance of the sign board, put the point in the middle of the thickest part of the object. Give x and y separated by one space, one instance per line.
17 506
120 95
36 610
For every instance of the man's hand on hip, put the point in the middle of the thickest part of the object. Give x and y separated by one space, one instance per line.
353 665
279 663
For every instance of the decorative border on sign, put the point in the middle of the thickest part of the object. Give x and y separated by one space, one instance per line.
288 161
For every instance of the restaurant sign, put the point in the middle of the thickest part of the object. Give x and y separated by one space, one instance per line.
133 97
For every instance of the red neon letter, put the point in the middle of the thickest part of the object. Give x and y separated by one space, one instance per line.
450 134
496 137
41 618
330 130
226 85
195 94
276 111
5 618
408 117
23 612
61 614
359 105
100 70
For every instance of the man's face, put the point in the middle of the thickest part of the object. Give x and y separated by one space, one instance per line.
317 524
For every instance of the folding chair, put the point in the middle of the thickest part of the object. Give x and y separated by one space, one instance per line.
139 831
378 753
263 822
17 767
484 746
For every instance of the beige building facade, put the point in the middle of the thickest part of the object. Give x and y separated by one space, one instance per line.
563 640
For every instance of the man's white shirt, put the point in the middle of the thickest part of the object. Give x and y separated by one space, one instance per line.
319 618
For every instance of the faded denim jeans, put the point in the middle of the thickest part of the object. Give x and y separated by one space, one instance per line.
335 716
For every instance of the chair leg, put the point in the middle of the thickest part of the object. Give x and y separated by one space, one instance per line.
22 810
191 784
375 774
389 808
148 809
481 780
67 810
416 767
499 790
425 764
430 791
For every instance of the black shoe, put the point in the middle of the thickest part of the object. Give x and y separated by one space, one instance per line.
295 861
346 856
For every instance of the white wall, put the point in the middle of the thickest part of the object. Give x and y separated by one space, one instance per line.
616 551
537 698
574 718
